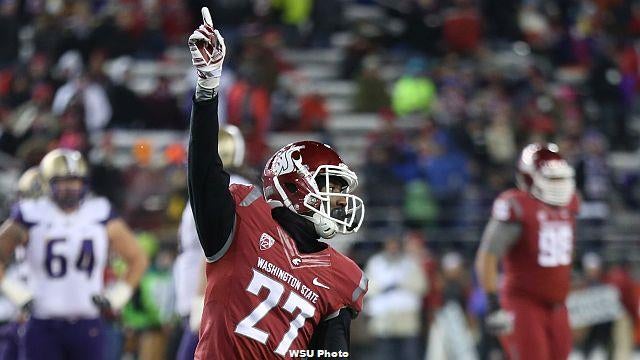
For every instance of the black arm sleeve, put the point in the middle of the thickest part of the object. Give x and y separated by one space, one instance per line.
211 201
333 334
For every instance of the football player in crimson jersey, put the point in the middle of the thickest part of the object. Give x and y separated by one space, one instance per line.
272 289
190 292
532 230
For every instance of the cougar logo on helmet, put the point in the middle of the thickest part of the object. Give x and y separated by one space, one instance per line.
283 160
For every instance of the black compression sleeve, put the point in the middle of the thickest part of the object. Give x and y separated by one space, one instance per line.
333 335
212 204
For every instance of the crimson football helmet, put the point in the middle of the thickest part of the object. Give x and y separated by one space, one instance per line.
544 173
297 176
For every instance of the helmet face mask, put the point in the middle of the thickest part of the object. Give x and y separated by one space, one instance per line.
344 209
300 176
544 173
68 192
65 173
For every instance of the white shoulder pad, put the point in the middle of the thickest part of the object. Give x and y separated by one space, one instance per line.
34 210
97 209
237 179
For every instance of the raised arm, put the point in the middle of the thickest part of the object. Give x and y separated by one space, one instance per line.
211 202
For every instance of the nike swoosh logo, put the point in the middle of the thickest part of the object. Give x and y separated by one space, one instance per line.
318 283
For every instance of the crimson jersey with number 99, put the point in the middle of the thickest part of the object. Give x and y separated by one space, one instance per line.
538 265
263 298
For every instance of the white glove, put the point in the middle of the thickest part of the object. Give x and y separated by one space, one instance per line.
118 295
17 292
500 322
195 316
207 52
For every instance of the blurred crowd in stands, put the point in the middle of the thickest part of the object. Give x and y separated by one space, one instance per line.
479 78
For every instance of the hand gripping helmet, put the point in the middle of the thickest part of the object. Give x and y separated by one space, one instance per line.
544 173
60 164
292 176
231 146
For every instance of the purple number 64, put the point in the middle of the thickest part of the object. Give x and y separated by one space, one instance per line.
56 264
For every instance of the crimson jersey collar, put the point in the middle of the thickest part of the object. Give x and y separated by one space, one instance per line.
300 230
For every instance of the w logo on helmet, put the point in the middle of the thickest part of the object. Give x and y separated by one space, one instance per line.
266 241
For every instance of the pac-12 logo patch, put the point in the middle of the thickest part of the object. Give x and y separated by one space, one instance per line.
266 241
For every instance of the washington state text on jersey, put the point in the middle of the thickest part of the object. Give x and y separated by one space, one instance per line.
293 281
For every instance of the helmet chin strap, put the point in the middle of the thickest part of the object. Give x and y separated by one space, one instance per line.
324 227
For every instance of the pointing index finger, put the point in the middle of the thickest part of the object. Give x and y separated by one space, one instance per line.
206 17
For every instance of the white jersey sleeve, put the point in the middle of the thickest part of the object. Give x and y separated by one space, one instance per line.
188 264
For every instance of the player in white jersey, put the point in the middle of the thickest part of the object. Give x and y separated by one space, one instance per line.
11 317
67 235
189 266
